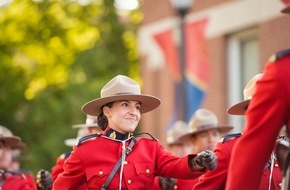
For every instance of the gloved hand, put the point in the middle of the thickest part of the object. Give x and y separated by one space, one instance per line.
167 183
206 159
43 180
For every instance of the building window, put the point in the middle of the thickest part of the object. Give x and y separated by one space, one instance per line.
243 64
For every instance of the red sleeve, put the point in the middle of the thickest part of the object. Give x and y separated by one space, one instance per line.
58 167
156 185
267 113
73 175
175 167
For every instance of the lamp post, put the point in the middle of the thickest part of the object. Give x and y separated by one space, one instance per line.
182 7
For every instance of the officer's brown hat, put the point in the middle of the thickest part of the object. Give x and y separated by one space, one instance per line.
203 120
287 8
91 121
241 107
179 129
121 88
81 133
9 139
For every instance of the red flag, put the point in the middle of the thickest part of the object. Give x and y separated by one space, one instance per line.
165 42
197 66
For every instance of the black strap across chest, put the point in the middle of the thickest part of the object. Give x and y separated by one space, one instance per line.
118 164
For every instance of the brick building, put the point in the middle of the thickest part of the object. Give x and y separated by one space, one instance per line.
240 36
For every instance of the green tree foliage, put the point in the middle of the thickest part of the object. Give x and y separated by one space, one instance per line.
55 55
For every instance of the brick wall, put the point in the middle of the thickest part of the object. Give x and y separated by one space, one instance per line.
273 35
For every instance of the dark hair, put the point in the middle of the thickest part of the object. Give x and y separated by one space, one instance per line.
102 119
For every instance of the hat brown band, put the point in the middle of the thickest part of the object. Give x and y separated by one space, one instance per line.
125 93
204 127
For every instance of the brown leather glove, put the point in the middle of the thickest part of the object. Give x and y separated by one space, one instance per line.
43 180
167 183
205 159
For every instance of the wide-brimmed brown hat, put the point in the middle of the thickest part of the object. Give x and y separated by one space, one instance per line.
203 120
241 107
121 88
179 129
8 138
91 121
286 9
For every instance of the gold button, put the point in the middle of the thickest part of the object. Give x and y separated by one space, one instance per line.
129 181
147 171
101 172
125 162
276 165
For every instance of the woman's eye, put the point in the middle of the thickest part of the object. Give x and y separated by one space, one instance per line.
138 107
125 104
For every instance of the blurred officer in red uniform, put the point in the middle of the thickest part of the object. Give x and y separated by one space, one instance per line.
177 148
268 112
12 179
90 127
118 159
44 178
271 178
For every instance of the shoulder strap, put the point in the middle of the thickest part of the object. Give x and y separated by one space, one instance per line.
87 137
144 133
229 136
118 164
275 57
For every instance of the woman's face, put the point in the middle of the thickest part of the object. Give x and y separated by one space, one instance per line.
123 116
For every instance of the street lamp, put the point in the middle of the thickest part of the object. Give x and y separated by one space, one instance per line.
182 7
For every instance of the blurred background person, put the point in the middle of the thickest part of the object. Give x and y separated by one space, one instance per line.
177 148
90 127
45 179
12 178
204 130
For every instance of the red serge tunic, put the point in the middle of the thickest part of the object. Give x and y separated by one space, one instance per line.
20 181
217 179
93 160
58 169
268 111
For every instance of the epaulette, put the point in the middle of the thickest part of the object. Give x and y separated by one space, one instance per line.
88 137
144 133
275 57
67 154
229 136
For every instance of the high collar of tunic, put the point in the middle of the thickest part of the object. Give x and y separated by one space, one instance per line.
111 133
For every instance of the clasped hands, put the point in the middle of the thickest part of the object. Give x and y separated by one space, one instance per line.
205 159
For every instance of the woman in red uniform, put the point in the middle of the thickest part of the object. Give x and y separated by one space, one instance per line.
118 159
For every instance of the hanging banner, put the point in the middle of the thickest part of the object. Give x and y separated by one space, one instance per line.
196 65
